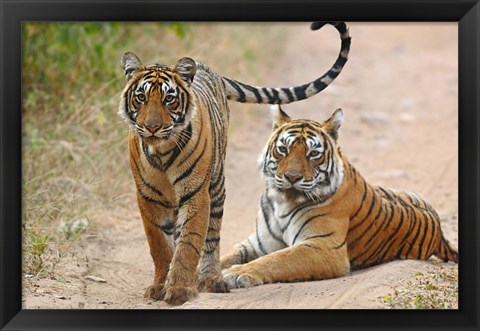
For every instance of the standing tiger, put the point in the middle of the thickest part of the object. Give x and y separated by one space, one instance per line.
319 218
178 120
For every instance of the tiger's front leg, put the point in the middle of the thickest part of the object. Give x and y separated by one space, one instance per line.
158 225
310 259
192 224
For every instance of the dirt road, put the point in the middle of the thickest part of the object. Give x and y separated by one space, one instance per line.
399 96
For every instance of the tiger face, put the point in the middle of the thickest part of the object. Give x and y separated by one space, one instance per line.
156 101
302 156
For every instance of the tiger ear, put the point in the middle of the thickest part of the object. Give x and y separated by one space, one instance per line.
186 68
279 116
131 64
333 124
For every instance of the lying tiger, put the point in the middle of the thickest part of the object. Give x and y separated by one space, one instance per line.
178 117
319 218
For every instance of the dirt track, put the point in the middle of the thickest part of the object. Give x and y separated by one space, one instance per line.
399 96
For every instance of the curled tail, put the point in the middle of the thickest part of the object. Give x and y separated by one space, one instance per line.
245 93
446 252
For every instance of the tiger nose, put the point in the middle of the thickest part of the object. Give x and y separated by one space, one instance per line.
293 178
152 128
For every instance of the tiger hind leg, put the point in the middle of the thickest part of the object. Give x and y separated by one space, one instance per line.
446 252
210 276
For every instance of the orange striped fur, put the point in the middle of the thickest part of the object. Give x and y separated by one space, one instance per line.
319 218
178 119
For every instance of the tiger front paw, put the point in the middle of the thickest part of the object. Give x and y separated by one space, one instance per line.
213 285
239 277
155 292
177 295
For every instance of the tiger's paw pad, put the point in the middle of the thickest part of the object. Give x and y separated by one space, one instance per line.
213 285
177 295
239 279
155 292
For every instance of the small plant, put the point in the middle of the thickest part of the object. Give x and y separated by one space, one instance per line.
435 289
38 245
73 229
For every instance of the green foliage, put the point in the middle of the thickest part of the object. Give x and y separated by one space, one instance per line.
38 244
75 158
435 289
71 78
59 58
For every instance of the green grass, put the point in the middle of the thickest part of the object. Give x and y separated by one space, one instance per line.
437 288
75 159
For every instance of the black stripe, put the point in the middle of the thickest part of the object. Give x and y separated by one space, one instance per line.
259 242
167 227
363 199
304 224
255 91
392 238
342 244
414 241
374 199
266 218
380 246
296 209
189 244
320 236
194 148
289 94
299 92
241 94
371 241
192 166
242 254
319 85
153 161
147 184
270 97
192 193
425 234
213 239
433 235
147 198
369 226
187 132
217 214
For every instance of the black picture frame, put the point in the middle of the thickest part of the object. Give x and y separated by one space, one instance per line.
13 12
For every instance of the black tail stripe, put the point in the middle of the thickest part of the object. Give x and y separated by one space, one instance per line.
241 94
252 89
270 97
288 93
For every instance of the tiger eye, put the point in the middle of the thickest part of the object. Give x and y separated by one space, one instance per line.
169 98
141 97
314 153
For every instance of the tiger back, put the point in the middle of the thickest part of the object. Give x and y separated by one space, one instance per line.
319 218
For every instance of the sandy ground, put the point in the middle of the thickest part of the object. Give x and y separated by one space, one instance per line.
399 96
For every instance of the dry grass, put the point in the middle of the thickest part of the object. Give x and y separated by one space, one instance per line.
75 160
437 288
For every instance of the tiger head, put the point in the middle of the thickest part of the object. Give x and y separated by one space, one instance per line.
157 101
302 156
